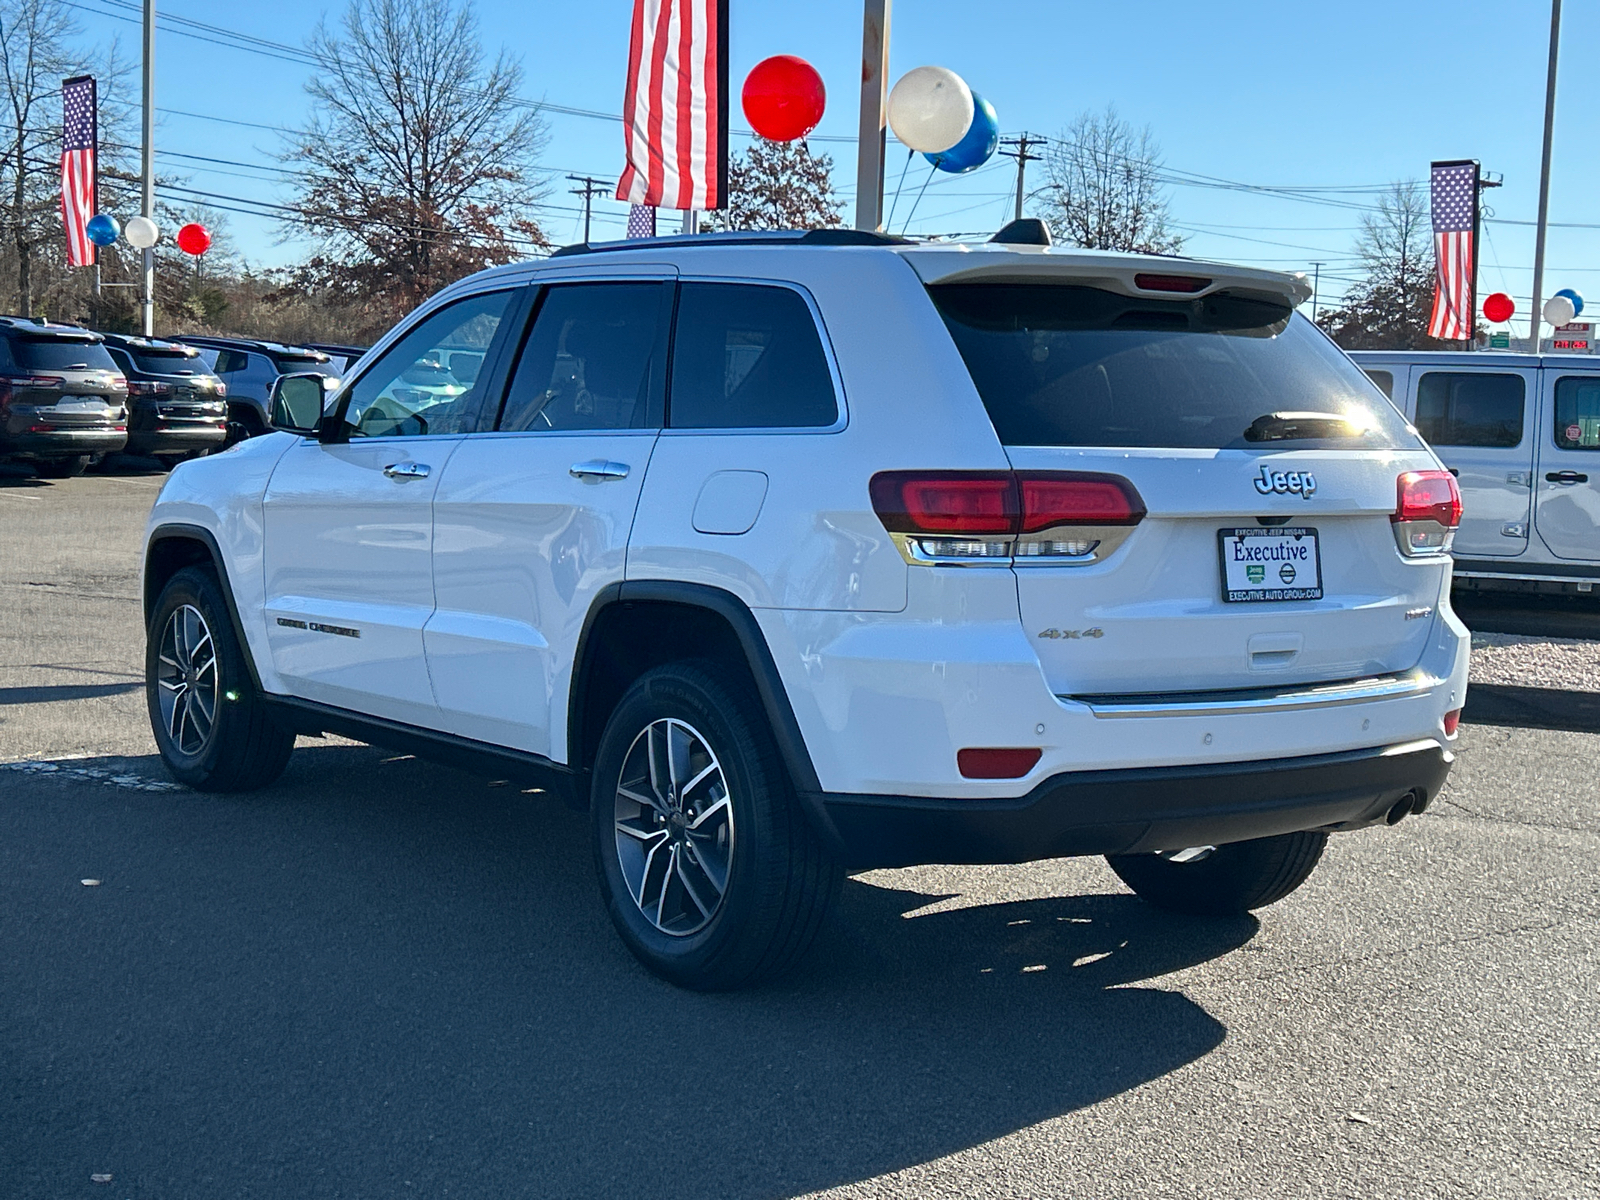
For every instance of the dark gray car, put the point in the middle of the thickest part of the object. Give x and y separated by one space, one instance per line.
63 400
249 368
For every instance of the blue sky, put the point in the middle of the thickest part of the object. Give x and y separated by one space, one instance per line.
1346 96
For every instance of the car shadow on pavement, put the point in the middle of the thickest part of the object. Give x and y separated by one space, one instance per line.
48 693
381 978
1532 707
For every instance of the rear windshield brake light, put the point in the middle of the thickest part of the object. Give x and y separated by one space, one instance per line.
1188 284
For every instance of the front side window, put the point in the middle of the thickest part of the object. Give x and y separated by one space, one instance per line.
747 356
1460 408
1578 412
411 390
591 361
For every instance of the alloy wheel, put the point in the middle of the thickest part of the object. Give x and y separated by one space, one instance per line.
186 679
674 827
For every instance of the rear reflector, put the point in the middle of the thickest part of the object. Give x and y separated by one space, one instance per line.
1188 284
1452 719
987 763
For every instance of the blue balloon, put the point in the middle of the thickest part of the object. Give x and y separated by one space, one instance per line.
103 229
977 147
1577 300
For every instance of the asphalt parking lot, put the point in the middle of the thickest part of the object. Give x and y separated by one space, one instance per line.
381 978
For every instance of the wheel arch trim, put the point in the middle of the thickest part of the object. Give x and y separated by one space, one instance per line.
180 531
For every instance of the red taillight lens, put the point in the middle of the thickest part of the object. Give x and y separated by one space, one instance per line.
141 388
970 503
1064 499
1188 284
1429 496
1452 720
997 763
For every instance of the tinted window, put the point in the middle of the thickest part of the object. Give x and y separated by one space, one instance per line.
61 354
1578 412
167 362
290 363
231 362
1064 365
410 391
1384 380
590 361
746 357
1462 409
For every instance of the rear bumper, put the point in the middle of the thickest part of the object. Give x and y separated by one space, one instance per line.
1131 811
176 439
64 443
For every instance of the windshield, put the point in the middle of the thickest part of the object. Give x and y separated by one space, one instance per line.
61 354
1066 365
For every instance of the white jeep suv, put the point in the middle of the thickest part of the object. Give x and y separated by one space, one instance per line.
786 554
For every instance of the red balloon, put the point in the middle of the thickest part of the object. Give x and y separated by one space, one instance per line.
783 98
194 239
1499 307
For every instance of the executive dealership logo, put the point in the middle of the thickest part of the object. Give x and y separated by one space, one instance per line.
1299 483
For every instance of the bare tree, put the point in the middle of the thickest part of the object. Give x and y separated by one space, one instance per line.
1389 308
778 185
1105 186
420 165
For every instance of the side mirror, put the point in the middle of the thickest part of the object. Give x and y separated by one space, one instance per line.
298 401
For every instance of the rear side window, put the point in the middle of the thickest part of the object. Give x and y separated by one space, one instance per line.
1067 365
1578 412
1461 408
1384 380
61 354
231 362
591 360
748 356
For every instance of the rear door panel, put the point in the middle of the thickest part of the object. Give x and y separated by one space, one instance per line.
1567 476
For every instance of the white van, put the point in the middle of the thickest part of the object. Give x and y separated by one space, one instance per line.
1521 432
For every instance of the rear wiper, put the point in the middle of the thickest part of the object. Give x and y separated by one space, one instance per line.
1284 426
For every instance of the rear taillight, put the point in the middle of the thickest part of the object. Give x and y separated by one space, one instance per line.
989 516
1427 512
139 387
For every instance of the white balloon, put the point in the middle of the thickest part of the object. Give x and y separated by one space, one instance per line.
930 109
1559 310
141 232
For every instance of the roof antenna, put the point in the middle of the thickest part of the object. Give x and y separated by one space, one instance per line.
1024 231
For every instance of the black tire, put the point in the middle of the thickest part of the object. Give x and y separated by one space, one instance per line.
1232 879
243 422
779 881
241 748
63 468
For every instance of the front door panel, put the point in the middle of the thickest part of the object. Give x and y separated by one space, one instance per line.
349 580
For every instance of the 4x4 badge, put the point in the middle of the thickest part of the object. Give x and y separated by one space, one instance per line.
1297 483
1096 632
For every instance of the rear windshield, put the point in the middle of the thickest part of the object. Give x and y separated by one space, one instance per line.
168 362
299 362
1066 365
60 354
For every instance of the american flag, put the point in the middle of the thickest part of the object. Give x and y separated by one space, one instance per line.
675 116
641 221
79 141
1455 201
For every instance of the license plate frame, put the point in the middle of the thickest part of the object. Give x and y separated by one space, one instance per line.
1241 587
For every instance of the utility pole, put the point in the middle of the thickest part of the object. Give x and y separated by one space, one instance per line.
147 304
591 188
1477 251
871 139
1316 283
1544 178
1019 151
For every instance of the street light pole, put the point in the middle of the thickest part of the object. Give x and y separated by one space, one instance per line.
147 304
871 139
1544 177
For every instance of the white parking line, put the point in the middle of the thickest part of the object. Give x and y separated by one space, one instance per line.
65 769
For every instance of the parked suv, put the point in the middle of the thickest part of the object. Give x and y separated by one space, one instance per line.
63 401
248 369
176 404
785 554
1522 434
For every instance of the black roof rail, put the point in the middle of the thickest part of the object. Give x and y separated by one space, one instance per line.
772 237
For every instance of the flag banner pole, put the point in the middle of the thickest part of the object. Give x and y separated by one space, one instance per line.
1453 197
80 138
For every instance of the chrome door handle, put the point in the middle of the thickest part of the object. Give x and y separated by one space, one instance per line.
598 468
407 470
